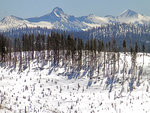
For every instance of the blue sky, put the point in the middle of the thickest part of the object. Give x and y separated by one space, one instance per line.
31 8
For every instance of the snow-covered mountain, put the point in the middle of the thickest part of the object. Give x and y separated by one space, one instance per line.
13 22
56 15
58 19
129 16
10 22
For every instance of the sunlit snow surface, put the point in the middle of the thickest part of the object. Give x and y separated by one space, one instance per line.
48 90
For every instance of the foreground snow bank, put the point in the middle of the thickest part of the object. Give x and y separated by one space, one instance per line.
47 90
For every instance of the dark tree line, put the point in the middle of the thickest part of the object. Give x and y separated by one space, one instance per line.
130 32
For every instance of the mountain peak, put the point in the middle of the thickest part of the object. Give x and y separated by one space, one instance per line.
10 18
128 13
57 11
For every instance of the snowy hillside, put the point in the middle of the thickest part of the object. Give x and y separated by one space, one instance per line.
43 88
58 19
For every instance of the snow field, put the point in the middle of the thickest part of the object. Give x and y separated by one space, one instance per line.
47 90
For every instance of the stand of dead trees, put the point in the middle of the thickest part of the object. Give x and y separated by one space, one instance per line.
68 51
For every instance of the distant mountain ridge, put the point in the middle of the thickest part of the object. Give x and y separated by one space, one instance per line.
58 19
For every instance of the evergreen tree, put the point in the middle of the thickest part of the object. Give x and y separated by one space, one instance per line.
15 52
48 46
3 48
143 50
124 49
80 48
20 53
10 50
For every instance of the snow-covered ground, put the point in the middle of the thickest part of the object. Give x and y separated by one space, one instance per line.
48 90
